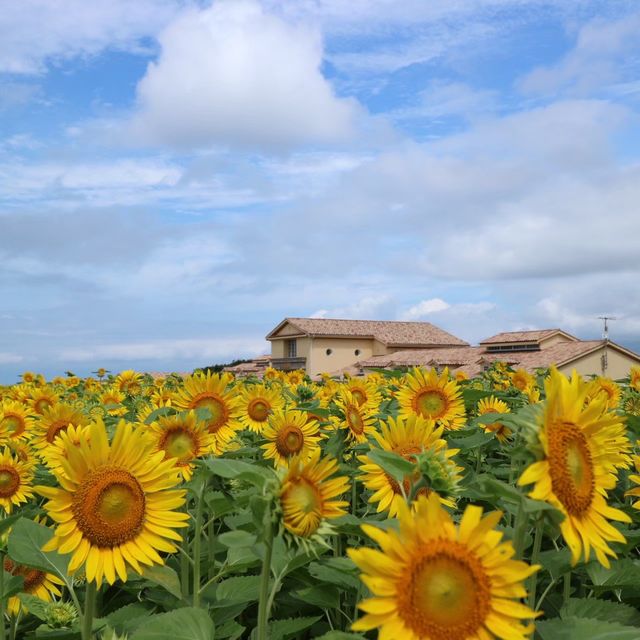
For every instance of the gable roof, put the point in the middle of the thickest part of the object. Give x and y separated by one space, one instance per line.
388 332
525 336
451 356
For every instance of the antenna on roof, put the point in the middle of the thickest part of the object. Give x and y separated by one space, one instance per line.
605 336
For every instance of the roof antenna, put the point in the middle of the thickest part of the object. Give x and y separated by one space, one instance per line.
604 360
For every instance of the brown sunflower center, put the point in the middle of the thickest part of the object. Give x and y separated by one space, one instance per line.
179 443
14 424
408 452
33 578
359 396
216 406
9 481
258 409
571 468
55 428
354 419
446 594
431 403
109 507
41 404
289 441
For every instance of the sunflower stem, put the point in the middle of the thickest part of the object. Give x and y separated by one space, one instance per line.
185 560
197 541
3 633
263 602
520 530
566 590
537 545
89 606
211 548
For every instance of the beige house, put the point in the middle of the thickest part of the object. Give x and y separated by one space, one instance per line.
323 345
529 350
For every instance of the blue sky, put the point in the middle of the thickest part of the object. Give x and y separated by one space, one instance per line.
176 177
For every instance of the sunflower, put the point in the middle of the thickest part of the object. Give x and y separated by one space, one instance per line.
290 434
294 378
42 398
256 405
634 378
113 398
15 420
182 438
521 379
493 405
432 396
116 507
433 580
407 437
583 448
37 583
15 480
607 388
54 454
271 374
359 420
129 381
53 421
364 391
307 495
632 404
460 375
210 391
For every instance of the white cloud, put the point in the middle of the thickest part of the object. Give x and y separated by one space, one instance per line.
235 74
425 308
367 308
10 358
34 33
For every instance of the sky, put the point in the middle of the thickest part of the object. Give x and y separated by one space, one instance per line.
176 177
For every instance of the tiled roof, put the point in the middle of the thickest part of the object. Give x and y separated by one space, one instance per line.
524 336
453 357
388 332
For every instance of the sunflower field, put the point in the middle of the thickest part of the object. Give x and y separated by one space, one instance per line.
417 505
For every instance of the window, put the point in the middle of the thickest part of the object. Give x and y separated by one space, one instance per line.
291 349
357 352
329 352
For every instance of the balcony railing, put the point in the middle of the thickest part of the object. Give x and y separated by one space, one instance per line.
288 364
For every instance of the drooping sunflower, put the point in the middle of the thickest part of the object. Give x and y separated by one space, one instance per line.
364 391
182 438
583 448
432 396
407 437
308 494
257 402
433 580
607 388
634 378
290 434
42 398
15 480
211 391
521 379
53 421
359 420
16 421
494 405
116 507
129 381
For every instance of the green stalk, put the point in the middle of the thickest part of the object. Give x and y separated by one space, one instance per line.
520 529
184 560
3 633
89 606
537 544
211 548
263 602
566 590
197 541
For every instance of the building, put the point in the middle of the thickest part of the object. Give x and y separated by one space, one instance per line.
323 345
355 346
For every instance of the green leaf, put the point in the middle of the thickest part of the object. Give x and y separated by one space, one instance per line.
165 577
340 635
158 413
623 573
237 539
238 470
279 629
25 547
182 624
238 589
557 563
322 596
128 618
584 629
605 610
230 629
395 465
338 571
36 607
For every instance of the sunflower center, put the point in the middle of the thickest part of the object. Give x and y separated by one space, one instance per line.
14 424
109 507
289 441
179 443
446 594
408 452
41 404
431 404
9 481
571 468
354 420
55 428
359 396
216 407
258 409
304 497
33 578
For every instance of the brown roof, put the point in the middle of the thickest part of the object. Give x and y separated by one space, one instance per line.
391 333
452 357
524 336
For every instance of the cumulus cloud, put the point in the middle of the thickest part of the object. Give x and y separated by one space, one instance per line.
425 308
235 74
